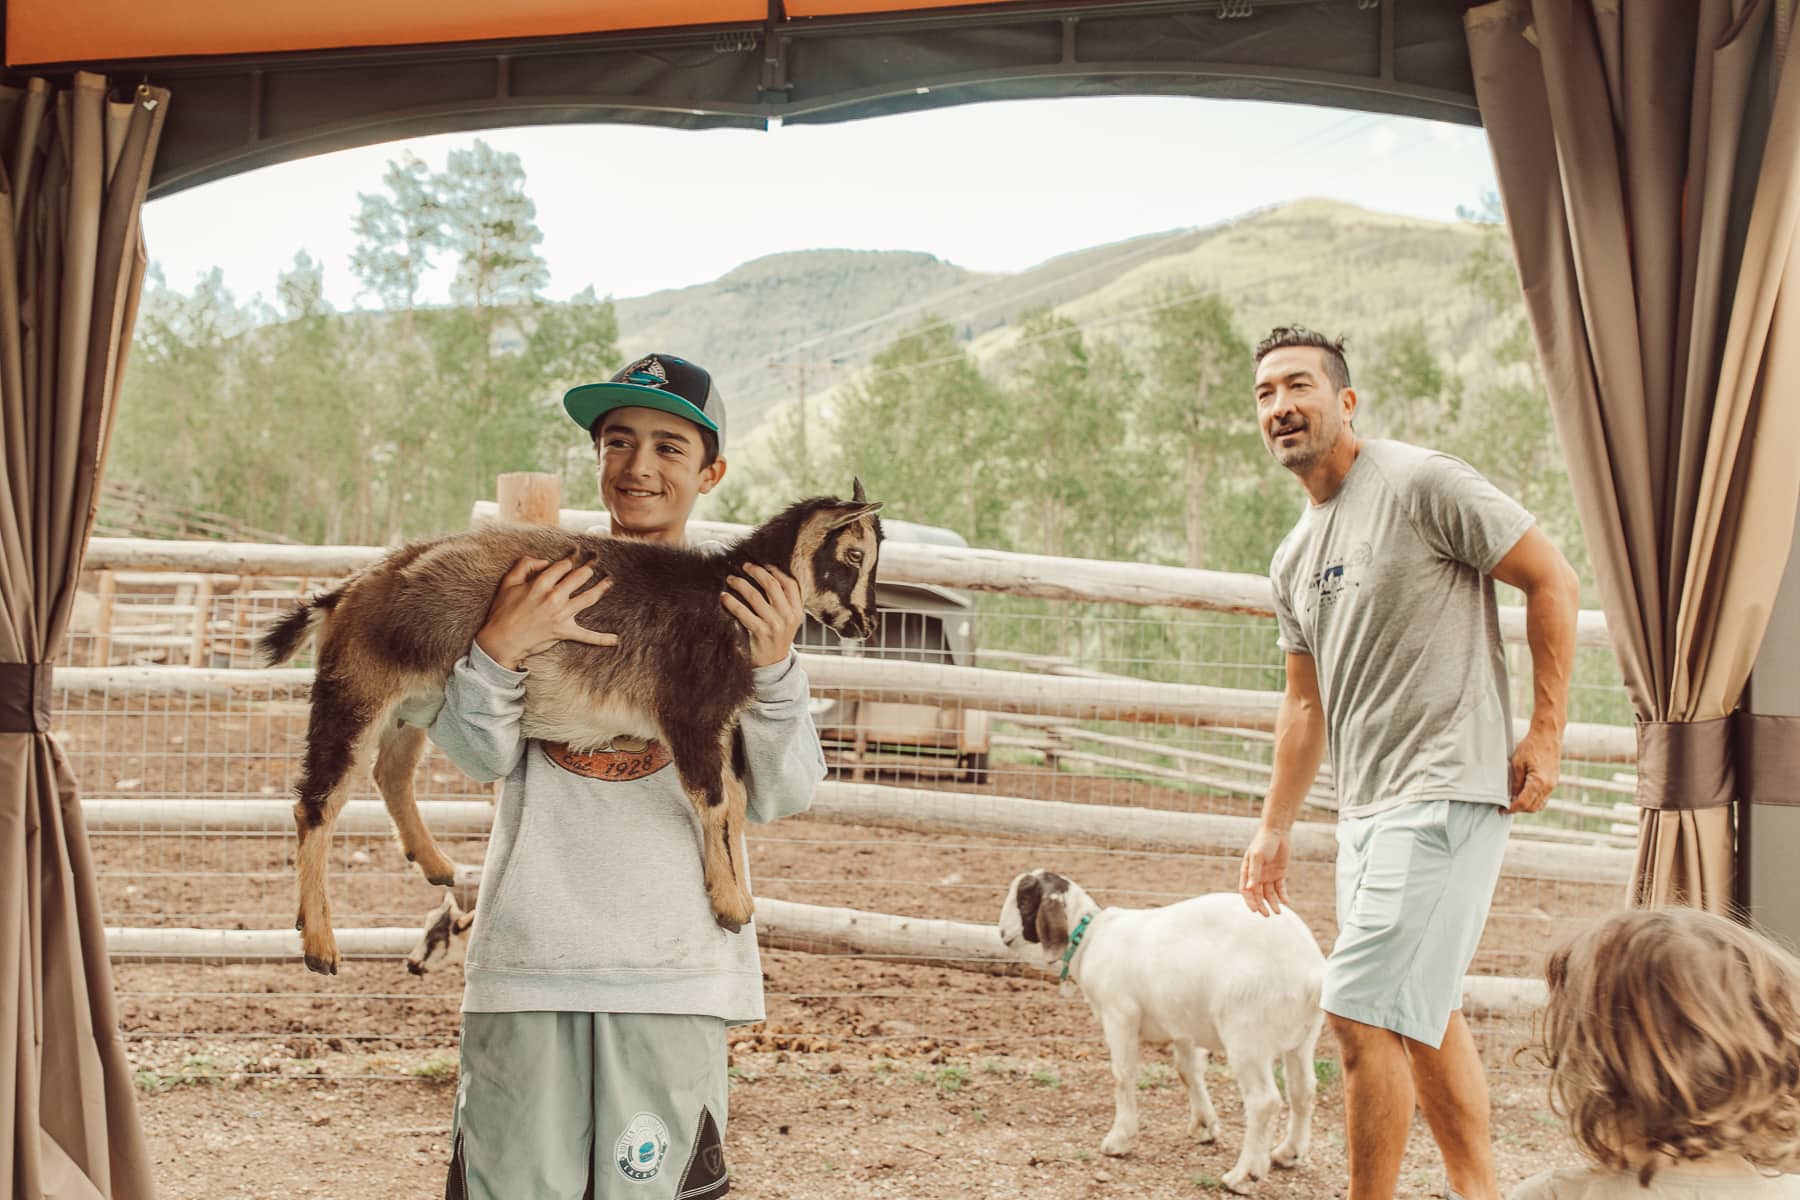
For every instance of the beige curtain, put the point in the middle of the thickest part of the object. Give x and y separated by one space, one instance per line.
73 171
1647 152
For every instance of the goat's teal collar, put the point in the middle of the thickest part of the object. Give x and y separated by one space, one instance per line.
1074 941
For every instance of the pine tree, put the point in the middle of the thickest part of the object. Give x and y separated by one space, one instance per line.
1194 410
925 431
397 231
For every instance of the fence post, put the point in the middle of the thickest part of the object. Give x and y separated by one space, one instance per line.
533 497
203 600
100 649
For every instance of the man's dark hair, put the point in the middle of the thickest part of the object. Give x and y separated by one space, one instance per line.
709 441
1336 369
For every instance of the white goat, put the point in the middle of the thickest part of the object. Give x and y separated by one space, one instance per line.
1202 975
444 941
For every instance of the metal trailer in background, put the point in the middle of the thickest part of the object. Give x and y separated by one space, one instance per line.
918 623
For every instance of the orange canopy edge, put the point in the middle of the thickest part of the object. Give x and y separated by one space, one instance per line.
839 8
98 31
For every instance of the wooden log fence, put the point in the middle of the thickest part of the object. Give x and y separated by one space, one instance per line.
1047 577
1320 796
891 680
780 925
970 569
1066 694
228 558
1052 822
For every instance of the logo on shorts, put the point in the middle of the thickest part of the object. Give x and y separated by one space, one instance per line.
641 1148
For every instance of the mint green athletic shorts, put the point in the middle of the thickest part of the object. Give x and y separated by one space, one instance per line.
1414 884
589 1106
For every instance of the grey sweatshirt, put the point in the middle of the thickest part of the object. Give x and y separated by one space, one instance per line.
591 897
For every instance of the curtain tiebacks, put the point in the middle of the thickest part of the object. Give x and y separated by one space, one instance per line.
1692 765
1768 754
25 697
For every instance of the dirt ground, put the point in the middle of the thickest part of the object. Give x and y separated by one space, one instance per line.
870 1078
805 1126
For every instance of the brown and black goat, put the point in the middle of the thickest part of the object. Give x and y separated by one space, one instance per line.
681 673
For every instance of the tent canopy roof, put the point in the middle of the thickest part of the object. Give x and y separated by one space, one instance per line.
258 84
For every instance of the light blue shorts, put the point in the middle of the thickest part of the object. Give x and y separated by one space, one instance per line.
589 1106
1413 888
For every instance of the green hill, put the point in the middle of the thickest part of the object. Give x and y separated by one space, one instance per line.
1317 262
735 323
831 310
1329 265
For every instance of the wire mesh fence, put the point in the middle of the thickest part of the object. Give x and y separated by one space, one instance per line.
931 811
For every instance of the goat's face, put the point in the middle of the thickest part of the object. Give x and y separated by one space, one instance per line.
445 940
834 561
1041 907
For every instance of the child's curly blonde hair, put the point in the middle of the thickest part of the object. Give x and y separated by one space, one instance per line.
1674 1035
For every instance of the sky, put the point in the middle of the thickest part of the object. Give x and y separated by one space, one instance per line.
990 187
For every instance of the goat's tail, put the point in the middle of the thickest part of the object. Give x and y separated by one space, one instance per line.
284 640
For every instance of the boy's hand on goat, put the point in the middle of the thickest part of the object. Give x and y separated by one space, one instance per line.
536 606
771 613
1263 879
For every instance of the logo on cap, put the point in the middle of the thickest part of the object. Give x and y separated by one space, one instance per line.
648 372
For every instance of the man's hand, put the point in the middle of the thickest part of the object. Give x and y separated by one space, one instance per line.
1552 603
536 607
771 613
1263 879
1536 766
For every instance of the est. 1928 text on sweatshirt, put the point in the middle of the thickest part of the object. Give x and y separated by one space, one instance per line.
591 896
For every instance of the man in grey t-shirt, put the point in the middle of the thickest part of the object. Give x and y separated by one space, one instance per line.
1386 605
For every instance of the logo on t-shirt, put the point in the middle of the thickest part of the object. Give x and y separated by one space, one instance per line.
640 1149
1341 577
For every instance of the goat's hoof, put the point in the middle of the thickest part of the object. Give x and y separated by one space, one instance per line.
727 924
1240 1181
1117 1145
1204 1131
321 965
1286 1159
440 874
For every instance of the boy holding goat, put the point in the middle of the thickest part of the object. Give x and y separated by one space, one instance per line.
598 984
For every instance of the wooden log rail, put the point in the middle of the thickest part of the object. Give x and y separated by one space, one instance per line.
971 569
892 680
1054 822
780 925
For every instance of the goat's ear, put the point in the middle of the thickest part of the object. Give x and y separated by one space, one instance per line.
845 514
857 495
1027 894
1053 923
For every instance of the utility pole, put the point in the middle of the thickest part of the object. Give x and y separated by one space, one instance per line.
800 369
805 467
